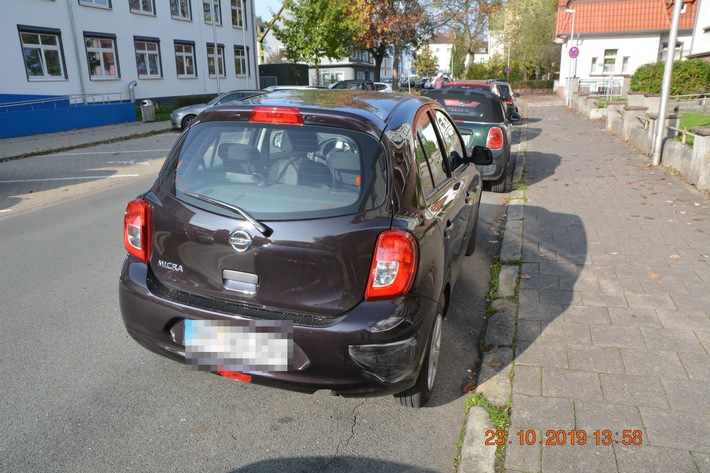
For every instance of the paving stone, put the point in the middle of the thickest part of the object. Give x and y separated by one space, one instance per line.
529 330
593 416
539 282
702 460
599 299
523 458
634 316
541 354
615 285
532 310
501 325
527 380
541 413
570 334
652 362
494 376
558 297
653 301
696 321
571 384
688 395
596 359
511 247
676 429
691 302
672 339
587 315
507 281
585 458
697 365
515 211
609 336
476 456
633 390
646 458
704 338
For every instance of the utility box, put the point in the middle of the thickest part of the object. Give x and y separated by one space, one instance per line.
148 110
285 74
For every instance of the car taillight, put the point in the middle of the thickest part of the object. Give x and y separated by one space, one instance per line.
495 138
136 229
277 115
394 265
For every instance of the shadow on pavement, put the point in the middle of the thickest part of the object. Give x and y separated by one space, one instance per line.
332 464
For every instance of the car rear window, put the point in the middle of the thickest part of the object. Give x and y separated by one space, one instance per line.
278 172
474 108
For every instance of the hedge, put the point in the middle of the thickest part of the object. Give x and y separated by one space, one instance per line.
689 77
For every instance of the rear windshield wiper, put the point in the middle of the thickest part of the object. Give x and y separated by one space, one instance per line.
266 231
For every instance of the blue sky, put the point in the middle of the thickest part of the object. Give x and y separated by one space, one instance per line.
265 8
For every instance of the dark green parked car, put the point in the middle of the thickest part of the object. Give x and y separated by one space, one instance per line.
481 119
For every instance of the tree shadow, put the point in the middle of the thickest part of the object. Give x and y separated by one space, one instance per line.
330 464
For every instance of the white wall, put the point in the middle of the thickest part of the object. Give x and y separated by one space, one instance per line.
125 25
701 39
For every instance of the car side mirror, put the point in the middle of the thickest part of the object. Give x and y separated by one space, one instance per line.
514 117
481 156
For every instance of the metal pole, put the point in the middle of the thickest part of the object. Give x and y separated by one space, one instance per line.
214 38
568 102
665 92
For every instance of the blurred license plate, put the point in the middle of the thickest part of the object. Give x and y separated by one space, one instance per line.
218 345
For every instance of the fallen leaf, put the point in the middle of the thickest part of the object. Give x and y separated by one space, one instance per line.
613 253
674 257
527 276
654 276
494 364
470 386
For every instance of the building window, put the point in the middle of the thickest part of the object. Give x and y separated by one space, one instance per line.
212 12
180 9
610 60
42 52
238 13
142 6
219 59
625 65
240 61
664 51
185 60
594 65
102 56
96 3
148 58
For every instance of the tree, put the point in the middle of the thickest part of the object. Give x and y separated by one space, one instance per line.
313 29
527 28
425 63
388 26
275 58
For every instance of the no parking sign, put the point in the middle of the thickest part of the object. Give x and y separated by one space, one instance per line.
573 52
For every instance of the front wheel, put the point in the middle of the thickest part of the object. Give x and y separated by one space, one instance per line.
187 121
418 395
504 182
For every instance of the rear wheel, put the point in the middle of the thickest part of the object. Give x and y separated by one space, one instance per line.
504 182
472 239
418 395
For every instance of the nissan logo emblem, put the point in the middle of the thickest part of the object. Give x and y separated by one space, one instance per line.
240 240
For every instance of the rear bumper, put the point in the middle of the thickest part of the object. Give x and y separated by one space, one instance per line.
350 355
493 171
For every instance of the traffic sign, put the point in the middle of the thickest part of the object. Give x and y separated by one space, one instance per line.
573 52
507 70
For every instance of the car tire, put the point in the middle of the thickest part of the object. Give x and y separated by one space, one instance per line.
418 395
504 182
187 121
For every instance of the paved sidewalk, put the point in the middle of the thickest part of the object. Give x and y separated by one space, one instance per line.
613 330
25 145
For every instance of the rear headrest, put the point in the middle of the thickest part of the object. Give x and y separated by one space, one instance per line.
344 161
238 152
303 141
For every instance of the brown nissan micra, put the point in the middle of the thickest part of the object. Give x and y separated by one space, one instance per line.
307 240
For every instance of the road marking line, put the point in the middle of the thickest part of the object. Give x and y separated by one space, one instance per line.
112 152
69 178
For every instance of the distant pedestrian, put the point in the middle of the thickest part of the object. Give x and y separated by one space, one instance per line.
439 81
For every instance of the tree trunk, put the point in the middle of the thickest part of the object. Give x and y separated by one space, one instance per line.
395 67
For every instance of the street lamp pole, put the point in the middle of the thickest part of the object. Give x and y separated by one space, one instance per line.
568 102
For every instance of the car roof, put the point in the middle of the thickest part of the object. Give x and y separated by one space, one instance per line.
371 109
450 91
464 83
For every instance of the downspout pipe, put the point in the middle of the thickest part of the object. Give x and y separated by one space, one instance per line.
131 90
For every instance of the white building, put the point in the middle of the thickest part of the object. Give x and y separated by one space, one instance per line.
126 49
700 44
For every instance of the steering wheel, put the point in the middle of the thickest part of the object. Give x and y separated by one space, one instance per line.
329 145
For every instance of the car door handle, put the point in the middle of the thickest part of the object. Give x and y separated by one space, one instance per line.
457 186
468 197
449 228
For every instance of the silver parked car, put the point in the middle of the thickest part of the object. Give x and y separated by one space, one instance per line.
183 116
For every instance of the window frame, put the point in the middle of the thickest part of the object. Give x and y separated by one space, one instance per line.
142 4
426 117
219 50
244 63
59 48
213 3
93 4
609 65
177 6
237 9
102 36
147 53
193 55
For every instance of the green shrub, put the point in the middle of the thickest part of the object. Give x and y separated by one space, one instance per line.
534 84
689 77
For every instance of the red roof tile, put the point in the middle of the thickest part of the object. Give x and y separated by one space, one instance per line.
615 16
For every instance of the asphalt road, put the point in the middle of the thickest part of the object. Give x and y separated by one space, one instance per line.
79 395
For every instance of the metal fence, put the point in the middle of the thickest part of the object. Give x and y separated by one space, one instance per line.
607 87
63 100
